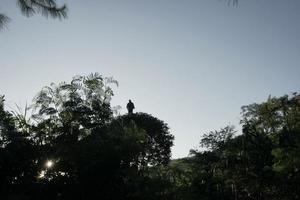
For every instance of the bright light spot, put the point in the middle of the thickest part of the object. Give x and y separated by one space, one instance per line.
62 173
42 174
49 164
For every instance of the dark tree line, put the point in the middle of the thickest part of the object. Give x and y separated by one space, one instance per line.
73 147
261 163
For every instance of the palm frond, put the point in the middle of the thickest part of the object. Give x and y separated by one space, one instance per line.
26 7
45 7
49 8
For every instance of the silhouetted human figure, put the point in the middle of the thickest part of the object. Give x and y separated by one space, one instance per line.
130 107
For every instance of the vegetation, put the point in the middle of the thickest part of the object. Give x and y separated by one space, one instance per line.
30 7
49 8
73 147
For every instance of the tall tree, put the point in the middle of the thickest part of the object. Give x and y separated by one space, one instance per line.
90 150
260 163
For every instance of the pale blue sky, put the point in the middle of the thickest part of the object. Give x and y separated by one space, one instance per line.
191 63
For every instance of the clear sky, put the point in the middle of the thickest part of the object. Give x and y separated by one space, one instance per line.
191 63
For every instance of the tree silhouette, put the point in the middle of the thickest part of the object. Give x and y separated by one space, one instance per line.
74 148
260 163
156 141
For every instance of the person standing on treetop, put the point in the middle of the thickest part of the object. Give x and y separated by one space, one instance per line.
130 107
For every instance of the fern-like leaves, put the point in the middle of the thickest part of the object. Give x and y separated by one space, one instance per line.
45 7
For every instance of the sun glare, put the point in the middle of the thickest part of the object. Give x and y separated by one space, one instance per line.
49 164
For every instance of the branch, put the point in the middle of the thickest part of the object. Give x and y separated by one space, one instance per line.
3 21
49 7
45 7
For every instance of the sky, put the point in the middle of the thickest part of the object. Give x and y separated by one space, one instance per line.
190 63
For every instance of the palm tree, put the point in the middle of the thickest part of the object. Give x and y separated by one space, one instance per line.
30 7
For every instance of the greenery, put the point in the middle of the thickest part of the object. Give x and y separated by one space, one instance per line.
30 7
73 147
49 8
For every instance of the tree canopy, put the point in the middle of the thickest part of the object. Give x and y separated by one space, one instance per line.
74 147
260 163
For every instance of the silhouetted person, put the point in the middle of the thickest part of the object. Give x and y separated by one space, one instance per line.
130 107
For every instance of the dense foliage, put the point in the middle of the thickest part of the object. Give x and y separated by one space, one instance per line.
261 163
73 147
